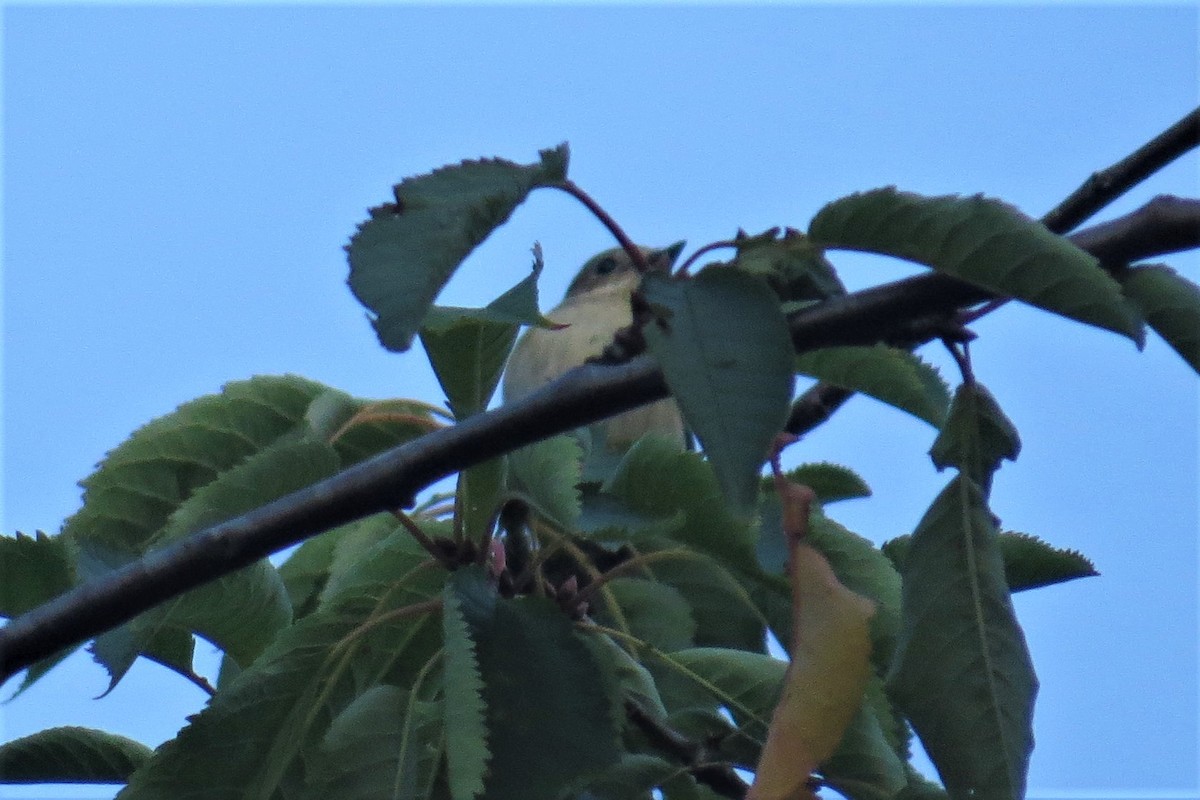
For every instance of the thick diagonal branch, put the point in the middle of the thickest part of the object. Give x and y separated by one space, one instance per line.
392 479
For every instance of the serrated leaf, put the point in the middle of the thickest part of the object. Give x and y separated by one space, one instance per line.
985 242
385 744
1170 303
830 482
659 481
71 755
402 257
376 426
654 612
255 732
962 672
630 678
889 374
547 473
1029 562
545 694
517 306
976 437
828 673
307 569
792 265
244 610
33 570
726 352
467 750
140 483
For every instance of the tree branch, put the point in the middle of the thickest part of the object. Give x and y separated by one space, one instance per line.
584 395
1101 188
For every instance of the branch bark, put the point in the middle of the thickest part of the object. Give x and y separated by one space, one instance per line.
584 395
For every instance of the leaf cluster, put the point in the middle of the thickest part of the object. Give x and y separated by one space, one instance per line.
568 626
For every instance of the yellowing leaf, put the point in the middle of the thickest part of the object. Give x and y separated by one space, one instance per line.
823 690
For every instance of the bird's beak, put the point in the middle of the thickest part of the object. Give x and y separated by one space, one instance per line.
664 259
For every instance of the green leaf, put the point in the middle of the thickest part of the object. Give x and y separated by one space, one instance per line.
550 720
865 767
1029 562
402 257
306 571
143 481
518 306
962 672
632 778
726 352
1170 303
468 356
977 436
384 744
547 474
894 376
477 497
747 684
792 265
241 612
830 482
657 480
856 562
71 755
254 734
462 692
376 426
630 677
654 612
33 570
985 242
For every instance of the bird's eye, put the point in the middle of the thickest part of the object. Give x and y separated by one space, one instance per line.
606 266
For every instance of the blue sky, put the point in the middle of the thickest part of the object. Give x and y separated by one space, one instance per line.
179 182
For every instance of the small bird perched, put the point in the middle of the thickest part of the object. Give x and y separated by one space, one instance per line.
596 306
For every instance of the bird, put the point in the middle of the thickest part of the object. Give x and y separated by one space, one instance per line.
596 306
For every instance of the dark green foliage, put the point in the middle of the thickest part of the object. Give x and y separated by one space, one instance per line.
402 257
726 353
891 375
573 626
543 691
1170 303
962 673
71 755
983 241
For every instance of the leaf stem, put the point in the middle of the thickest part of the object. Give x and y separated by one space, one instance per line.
428 544
635 252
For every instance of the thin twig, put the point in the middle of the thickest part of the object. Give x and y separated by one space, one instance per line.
717 775
1105 186
426 543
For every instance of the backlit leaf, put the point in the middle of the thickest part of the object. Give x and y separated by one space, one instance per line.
889 374
406 252
1171 304
984 241
962 672
726 352
71 755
